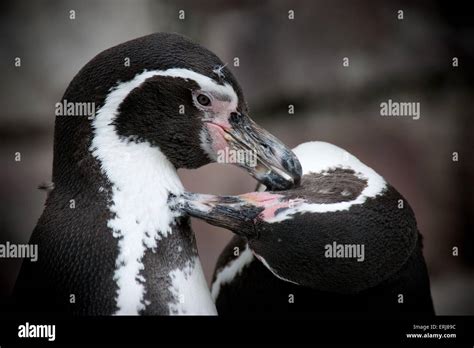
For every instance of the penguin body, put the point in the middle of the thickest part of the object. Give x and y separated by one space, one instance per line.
108 241
255 289
340 242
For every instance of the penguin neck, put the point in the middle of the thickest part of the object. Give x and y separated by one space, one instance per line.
140 178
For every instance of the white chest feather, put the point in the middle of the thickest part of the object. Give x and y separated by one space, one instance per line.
189 287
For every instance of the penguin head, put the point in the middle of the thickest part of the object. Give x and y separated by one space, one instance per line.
178 97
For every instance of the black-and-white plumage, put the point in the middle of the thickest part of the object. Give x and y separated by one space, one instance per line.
282 259
108 241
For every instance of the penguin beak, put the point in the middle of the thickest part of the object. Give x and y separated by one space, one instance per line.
239 214
261 154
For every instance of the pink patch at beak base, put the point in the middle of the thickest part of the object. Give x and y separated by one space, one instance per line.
217 136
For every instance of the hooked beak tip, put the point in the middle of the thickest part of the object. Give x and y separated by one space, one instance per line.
284 175
293 167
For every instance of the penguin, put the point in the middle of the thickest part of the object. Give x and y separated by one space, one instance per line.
108 242
344 241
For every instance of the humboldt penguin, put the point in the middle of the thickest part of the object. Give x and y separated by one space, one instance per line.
343 241
108 242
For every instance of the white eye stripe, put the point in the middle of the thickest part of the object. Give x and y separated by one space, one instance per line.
224 92
207 85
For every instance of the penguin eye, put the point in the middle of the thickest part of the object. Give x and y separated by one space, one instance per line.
203 100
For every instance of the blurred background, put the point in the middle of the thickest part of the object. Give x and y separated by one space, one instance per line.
282 62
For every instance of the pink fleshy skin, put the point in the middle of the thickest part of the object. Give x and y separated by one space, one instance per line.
223 109
270 201
259 197
269 212
217 136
